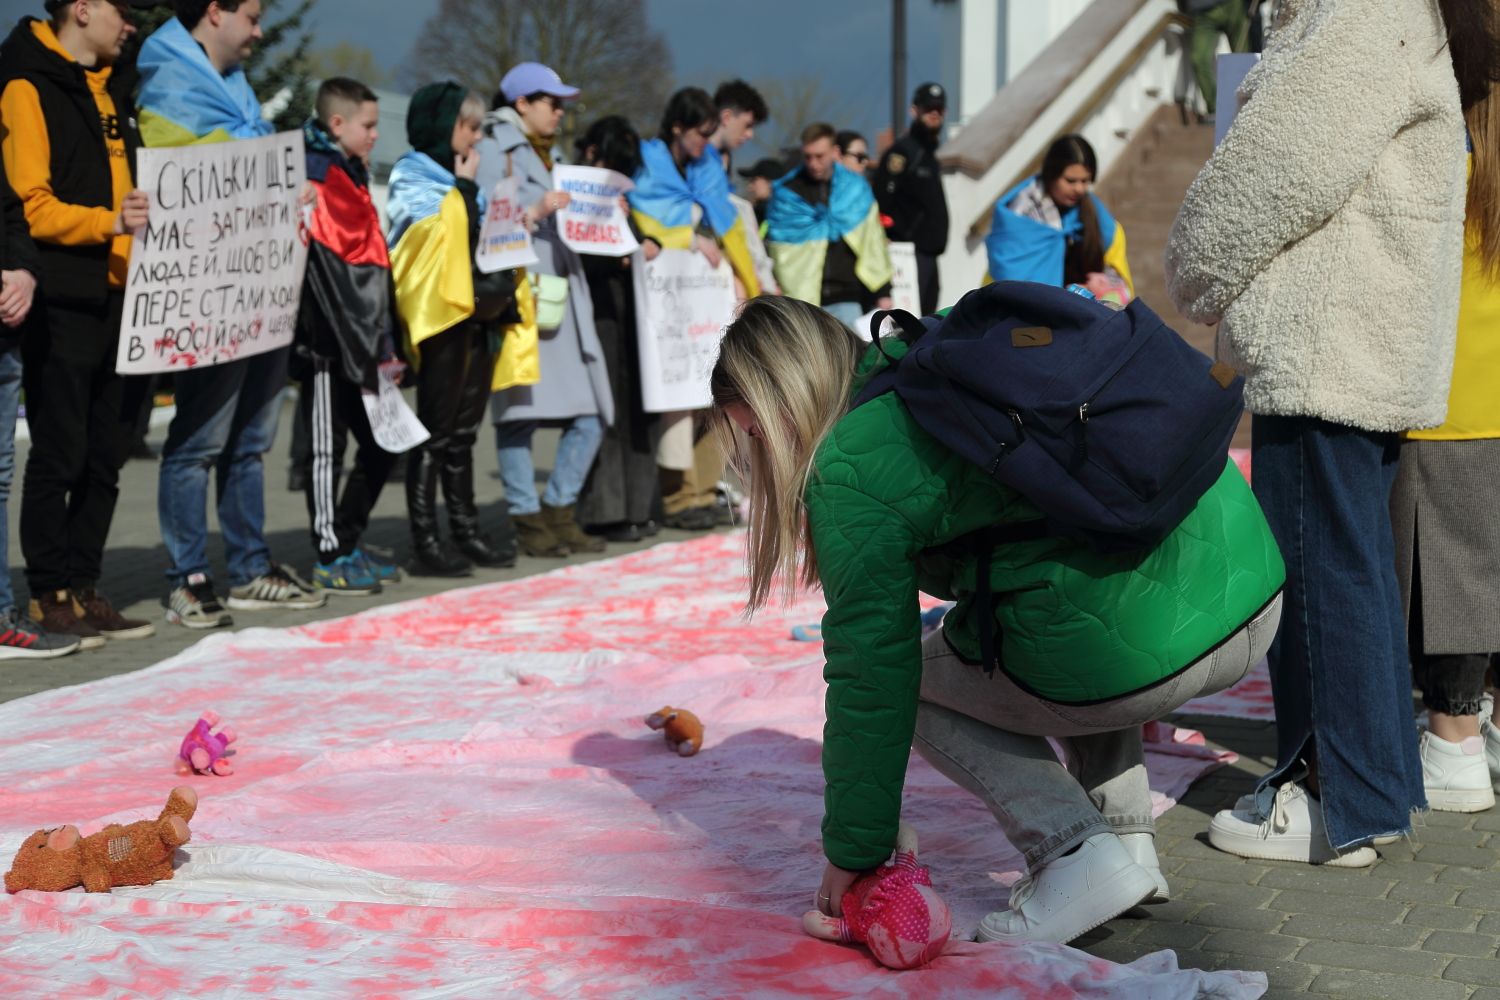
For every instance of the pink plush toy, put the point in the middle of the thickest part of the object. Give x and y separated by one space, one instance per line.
892 910
203 750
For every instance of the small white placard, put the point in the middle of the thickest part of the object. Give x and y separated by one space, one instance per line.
1232 68
504 240
594 220
395 426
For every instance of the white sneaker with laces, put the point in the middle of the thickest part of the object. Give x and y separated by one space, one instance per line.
1491 734
1072 895
1456 776
1142 850
1293 832
278 588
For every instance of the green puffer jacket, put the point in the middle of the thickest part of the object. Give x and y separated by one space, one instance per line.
1076 625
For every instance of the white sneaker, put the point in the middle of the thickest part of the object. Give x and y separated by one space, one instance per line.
1456 776
1246 804
1294 832
1491 734
278 588
1142 850
1072 895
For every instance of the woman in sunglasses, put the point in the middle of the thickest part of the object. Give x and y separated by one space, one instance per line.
574 389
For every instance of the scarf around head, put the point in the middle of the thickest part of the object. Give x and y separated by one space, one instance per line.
668 196
430 119
178 83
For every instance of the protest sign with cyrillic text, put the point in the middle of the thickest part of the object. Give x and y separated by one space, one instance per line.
216 273
594 221
504 240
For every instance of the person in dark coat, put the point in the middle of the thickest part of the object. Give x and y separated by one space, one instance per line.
623 490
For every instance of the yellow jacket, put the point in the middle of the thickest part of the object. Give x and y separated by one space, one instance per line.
27 150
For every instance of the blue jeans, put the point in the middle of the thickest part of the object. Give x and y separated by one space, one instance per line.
575 457
1339 670
226 421
847 313
10 401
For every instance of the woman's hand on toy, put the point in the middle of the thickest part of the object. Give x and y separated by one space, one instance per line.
836 882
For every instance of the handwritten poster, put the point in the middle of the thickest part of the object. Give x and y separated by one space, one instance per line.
504 240
216 273
682 306
904 291
394 426
594 221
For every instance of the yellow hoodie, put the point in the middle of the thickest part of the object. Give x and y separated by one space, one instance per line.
28 159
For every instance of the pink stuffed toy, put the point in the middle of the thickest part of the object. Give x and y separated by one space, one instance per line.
892 910
203 750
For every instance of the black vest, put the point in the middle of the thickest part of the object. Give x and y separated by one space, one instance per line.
79 154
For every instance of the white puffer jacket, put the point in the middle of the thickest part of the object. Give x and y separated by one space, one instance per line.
1327 229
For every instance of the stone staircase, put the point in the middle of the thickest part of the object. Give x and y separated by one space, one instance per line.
1143 189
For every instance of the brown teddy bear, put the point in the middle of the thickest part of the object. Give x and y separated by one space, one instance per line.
138 854
683 730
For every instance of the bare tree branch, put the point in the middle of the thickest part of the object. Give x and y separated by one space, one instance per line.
603 47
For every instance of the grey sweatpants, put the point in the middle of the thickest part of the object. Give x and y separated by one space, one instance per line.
991 737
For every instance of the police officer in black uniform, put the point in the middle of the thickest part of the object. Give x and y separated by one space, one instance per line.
909 186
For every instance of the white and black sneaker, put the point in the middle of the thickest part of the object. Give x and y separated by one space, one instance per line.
279 587
21 638
195 605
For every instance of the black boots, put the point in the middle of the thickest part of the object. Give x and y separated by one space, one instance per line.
463 514
430 557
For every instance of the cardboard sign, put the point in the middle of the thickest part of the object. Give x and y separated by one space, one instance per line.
594 221
1231 69
904 291
216 273
682 306
395 427
504 240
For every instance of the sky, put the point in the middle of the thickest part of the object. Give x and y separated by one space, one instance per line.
843 43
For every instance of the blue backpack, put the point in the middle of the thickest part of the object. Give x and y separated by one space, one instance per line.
1108 421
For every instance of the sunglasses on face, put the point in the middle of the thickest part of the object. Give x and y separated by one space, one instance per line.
707 129
859 157
556 103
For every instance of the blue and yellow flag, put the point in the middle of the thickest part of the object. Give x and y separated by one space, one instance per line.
661 203
1022 249
433 269
185 100
798 233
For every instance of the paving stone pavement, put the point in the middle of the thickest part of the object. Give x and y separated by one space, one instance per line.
1422 924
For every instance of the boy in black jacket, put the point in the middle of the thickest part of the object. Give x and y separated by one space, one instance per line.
343 332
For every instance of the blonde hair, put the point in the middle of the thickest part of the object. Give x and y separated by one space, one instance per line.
792 365
472 110
1483 209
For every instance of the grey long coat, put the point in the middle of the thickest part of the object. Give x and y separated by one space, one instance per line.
574 380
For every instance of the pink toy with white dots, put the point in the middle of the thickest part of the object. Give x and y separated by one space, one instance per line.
202 750
892 910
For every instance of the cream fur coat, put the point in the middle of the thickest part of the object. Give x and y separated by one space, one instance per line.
1326 232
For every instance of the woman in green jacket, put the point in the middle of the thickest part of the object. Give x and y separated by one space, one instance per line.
1093 645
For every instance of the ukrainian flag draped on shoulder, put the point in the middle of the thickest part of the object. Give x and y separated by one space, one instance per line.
1022 248
429 242
185 100
662 205
798 233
